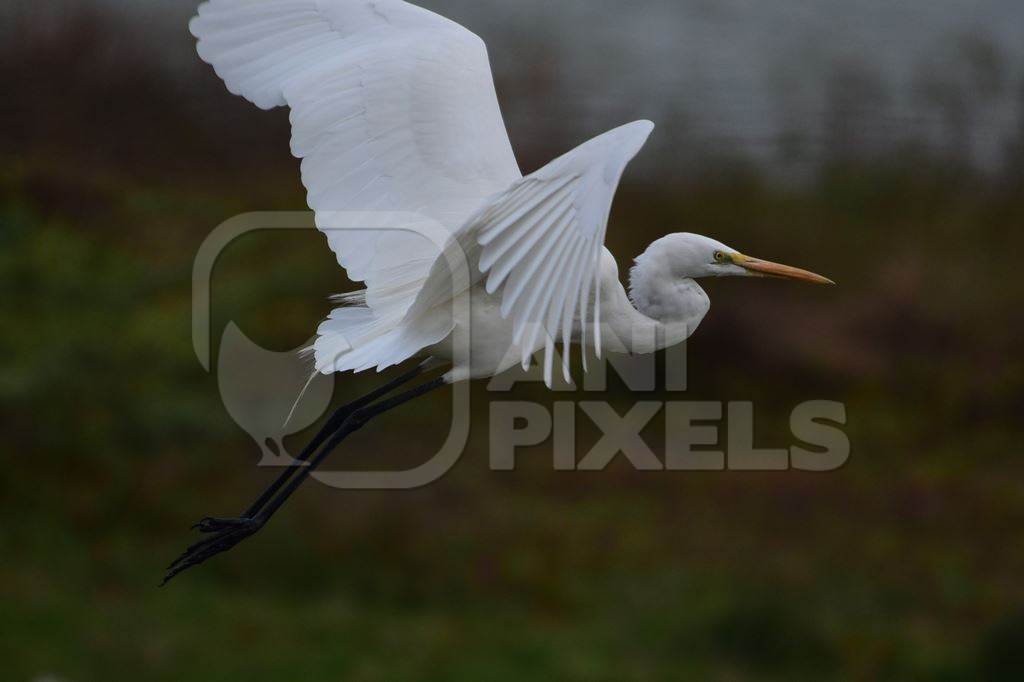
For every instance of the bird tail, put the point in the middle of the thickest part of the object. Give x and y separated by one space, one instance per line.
368 330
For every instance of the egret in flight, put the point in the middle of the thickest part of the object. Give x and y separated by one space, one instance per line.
394 109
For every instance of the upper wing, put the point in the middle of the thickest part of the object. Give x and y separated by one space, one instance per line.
540 243
393 108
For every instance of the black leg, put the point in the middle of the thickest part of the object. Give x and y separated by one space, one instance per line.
226 533
246 525
332 425
356 421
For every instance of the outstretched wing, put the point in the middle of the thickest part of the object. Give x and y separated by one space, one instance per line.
539 246
543 241
393 108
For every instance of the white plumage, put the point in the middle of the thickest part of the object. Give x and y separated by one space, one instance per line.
394 116
393 108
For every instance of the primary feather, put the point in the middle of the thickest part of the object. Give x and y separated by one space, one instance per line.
393 109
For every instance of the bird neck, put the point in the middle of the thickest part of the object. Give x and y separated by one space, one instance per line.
658 313
675 305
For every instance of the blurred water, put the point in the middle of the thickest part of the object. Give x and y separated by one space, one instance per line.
787 82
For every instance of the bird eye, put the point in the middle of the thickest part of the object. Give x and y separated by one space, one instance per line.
719 256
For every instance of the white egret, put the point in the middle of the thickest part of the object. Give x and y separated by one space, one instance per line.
393 108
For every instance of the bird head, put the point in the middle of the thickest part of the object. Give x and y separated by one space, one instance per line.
695 256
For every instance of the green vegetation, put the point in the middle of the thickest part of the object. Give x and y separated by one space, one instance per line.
902 565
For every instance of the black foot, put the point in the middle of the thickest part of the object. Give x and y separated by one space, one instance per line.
224 535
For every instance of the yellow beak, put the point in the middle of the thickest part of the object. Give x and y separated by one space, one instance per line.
768 269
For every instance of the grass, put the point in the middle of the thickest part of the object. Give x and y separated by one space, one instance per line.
903 565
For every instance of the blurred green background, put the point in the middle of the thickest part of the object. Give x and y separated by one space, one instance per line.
115 163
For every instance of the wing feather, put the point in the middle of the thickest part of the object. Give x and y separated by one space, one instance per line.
528 272
530 308
569 310
517 247
539 246
392 107
544 256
